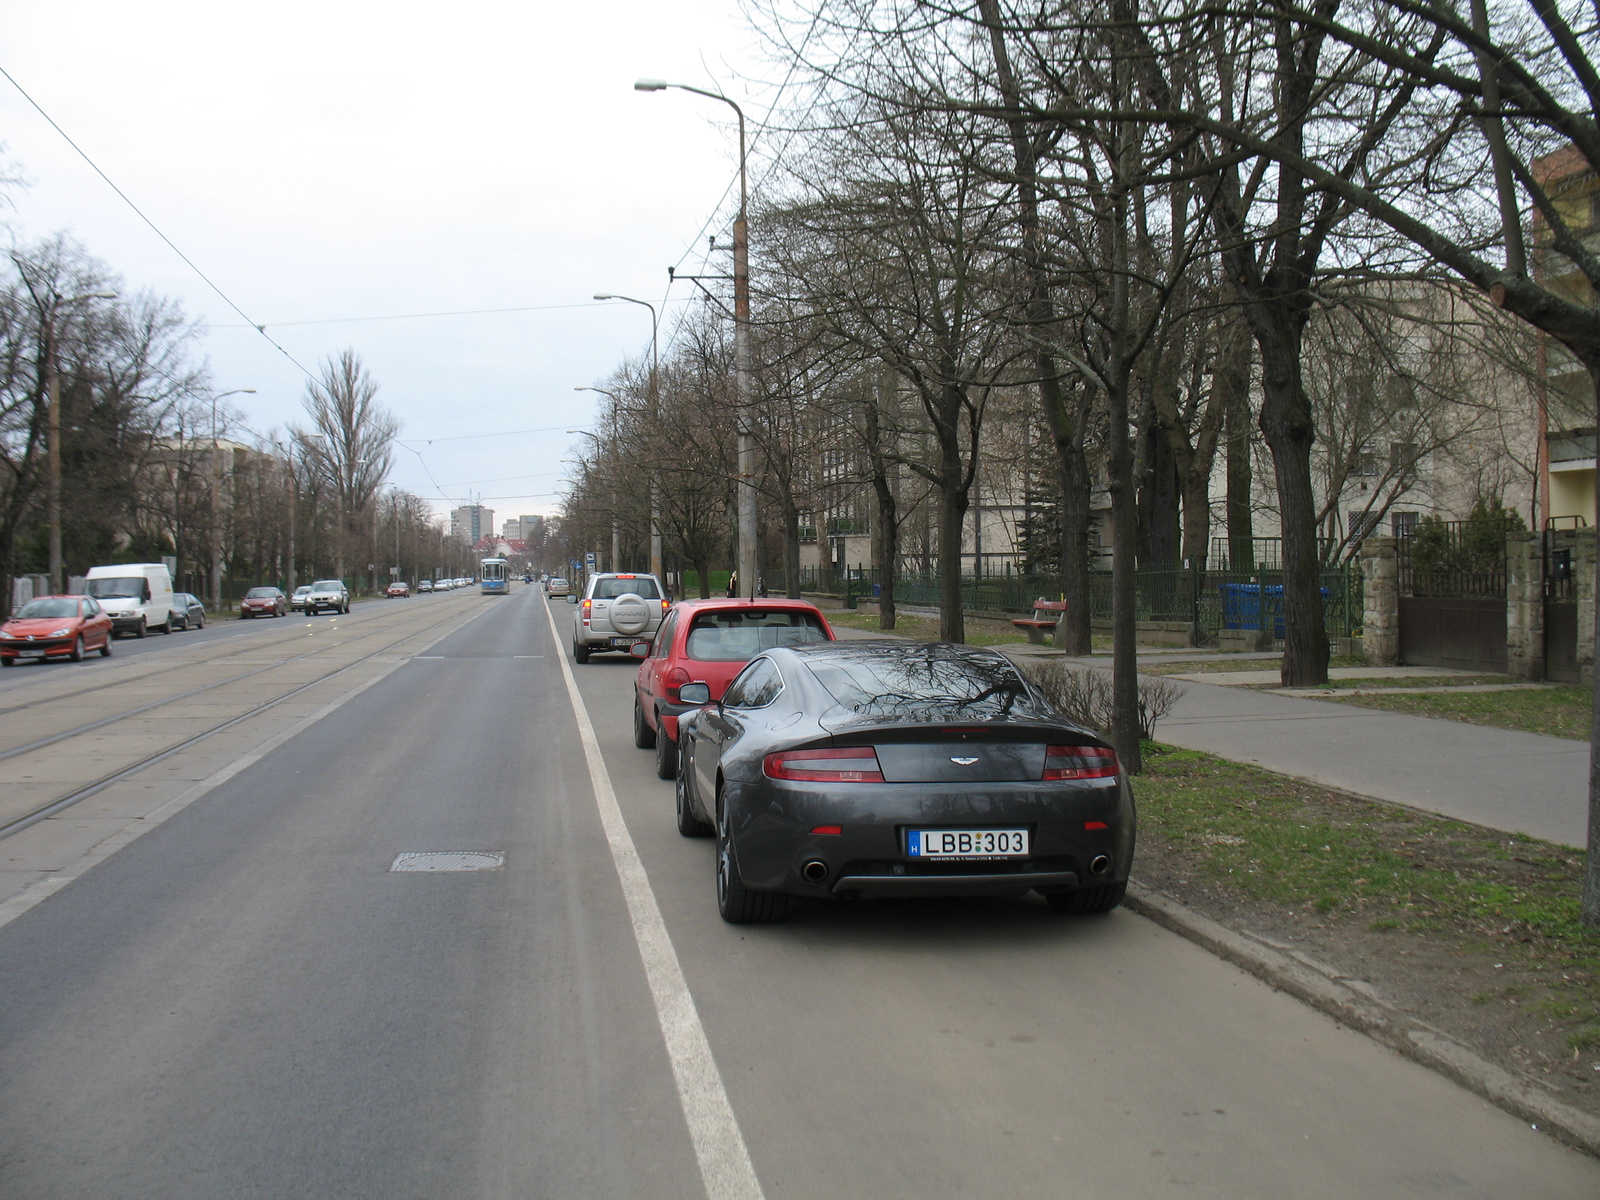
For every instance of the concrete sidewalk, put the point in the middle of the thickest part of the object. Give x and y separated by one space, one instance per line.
1500 778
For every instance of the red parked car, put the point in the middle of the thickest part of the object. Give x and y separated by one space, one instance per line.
398 590
264 602
55 627
709 641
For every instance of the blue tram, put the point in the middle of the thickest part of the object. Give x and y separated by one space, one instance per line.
493 576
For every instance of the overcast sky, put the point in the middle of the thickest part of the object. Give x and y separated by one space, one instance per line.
337 160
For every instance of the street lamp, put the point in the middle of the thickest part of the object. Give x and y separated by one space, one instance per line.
655 371
216 497
616 520
741 345
47 316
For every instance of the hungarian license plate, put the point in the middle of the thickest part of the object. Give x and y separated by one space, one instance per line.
967 843
30 653
628 641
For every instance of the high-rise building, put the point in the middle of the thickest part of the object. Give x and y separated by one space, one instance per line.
472 521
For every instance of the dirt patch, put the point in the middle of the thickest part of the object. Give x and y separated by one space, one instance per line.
1472 931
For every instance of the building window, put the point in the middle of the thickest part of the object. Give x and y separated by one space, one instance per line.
1363 525
1404 524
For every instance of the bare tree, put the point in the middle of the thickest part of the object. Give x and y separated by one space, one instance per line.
353 437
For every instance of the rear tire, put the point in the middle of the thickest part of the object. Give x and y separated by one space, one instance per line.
580 652
666 754
737 904
643 736
77 651
1083 901
689 825
105 647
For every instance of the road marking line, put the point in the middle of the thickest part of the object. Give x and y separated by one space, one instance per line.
42 889
719 1146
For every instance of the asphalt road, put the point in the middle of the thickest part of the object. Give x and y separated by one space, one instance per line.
248 1002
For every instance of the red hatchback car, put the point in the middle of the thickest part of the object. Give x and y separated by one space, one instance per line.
55 627
709 641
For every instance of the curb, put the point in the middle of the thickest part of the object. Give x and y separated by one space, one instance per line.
1351 1002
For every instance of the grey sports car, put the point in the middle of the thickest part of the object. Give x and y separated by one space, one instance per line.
873 769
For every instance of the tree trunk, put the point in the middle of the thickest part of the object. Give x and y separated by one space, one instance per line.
952 523
1240 478
1286 423
885 545
791 550
1124 629
702 568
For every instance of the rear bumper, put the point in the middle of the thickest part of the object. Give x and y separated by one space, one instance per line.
876 887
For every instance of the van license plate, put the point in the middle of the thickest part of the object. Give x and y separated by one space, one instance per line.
967 843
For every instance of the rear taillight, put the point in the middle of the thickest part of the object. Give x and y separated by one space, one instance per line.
584 610
852 764
1079 762
665 604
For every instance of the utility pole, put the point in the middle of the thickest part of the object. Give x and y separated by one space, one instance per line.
747 567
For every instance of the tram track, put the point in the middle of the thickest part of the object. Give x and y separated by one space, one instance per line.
83 791
142 677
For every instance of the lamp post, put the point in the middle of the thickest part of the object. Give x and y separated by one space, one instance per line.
216 498
616 521
741 345
655 371
47 320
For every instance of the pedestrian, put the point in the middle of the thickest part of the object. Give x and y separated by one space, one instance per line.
733 585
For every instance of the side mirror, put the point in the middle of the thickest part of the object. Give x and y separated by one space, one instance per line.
695 693
640 649
571 599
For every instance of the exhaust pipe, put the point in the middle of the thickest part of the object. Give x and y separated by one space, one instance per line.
814 871
1099 864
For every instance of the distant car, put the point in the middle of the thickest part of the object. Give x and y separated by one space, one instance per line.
558 587
55 627
709 642
424 585
297 602
856 770
398 591
329 594
187 611
264 602
442 585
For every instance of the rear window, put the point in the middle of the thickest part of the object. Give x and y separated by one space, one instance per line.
609 589
901 685
261 593
35 609
741 635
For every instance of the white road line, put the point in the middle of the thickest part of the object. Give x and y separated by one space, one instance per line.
725 1165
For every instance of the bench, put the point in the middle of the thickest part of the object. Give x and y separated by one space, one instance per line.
1036 627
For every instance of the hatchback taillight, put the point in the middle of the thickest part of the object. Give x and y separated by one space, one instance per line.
1079 762
851 764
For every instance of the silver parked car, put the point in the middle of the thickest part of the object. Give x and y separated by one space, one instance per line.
329 594
616 611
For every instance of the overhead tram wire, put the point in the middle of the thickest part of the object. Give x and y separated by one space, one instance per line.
173 246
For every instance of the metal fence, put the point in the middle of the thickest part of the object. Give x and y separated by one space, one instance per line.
1454 558
1211 600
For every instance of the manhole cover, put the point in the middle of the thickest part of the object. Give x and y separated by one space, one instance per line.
450 860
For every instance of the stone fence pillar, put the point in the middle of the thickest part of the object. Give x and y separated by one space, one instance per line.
1380 621
1524 605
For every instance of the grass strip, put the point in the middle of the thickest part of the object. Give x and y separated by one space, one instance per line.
1562 712
1506 907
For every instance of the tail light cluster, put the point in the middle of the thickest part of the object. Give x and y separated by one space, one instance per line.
849 764
1079 762
585 609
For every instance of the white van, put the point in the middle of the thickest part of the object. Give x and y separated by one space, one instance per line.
136 596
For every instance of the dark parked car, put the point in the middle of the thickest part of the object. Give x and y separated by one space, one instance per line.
187 611
871 769
264 602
